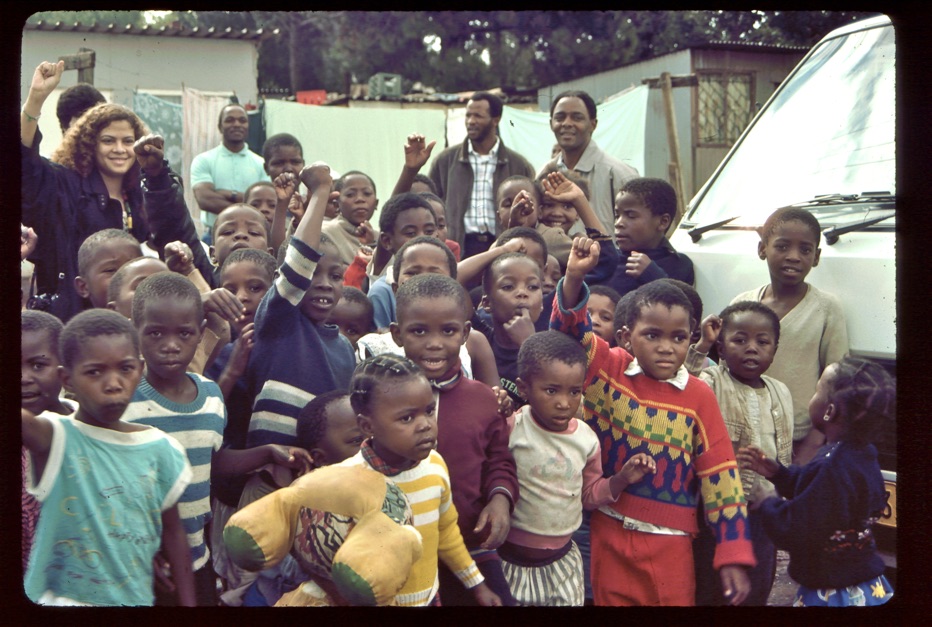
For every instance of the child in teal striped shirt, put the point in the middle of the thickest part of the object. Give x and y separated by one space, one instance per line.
169 316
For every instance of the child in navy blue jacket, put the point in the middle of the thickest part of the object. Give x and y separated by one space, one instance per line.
297 354
832 502
644 210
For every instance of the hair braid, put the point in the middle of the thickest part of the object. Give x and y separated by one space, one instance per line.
372 372
865 397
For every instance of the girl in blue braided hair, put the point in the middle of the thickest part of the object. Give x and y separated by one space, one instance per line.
830 505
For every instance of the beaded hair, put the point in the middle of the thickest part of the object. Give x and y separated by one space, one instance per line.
374 371
864 395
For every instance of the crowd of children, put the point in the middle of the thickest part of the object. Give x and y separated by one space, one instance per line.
567 426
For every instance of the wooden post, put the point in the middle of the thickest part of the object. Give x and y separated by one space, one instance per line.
673 142
83 62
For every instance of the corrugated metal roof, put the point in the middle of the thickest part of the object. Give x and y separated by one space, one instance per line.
750 46
155 31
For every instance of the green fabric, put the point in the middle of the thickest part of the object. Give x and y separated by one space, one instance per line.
396 505
243 549
351 586
163 118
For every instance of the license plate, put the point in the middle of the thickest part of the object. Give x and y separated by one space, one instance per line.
888 518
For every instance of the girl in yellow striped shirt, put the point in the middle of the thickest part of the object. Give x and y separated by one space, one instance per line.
396 410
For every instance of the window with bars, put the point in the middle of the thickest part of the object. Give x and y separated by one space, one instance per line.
724 106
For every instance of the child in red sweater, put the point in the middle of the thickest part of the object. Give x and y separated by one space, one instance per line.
648 403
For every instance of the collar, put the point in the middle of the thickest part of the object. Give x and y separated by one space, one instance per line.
346 225
679 380
243 152
372 458
493 153
449 379
587 159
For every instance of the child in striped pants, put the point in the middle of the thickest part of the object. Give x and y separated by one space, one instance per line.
559 472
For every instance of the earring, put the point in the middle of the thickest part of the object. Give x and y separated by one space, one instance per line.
826 418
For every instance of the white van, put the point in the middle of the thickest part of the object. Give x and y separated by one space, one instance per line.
825 140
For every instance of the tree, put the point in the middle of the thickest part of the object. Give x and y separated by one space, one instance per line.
462 50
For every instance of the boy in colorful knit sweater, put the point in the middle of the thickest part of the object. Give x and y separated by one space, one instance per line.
648 403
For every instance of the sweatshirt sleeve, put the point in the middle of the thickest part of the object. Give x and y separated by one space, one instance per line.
596 490
809 514
785 480
574 322
499 471
577 324
38 186
720 484
608 261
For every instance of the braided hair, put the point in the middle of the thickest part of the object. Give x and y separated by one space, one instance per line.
864 395
375 371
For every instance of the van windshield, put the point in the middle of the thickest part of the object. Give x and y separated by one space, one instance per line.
829 130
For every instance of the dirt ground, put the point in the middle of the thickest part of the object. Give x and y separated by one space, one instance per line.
784 588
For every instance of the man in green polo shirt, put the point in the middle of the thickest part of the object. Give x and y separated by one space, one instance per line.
221 175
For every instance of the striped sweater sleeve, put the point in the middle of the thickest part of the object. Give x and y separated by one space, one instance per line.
720 484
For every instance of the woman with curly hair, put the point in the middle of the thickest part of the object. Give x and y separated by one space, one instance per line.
107 173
